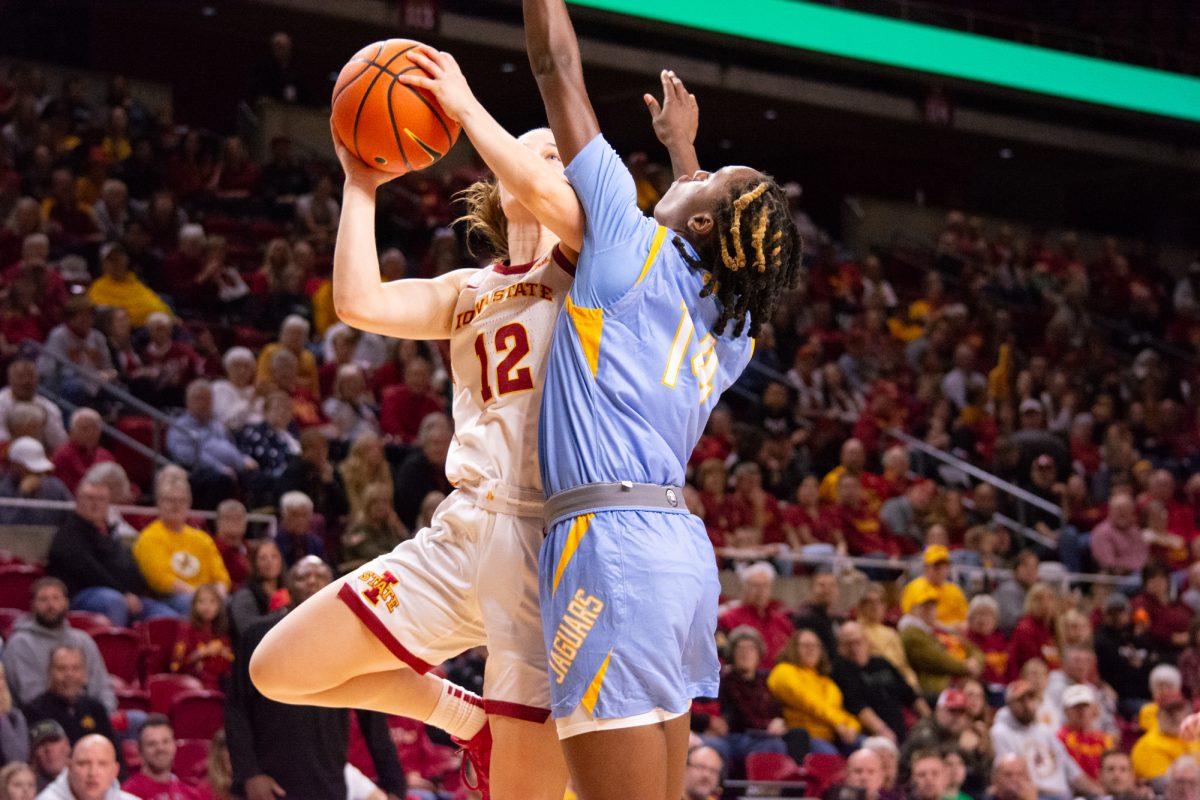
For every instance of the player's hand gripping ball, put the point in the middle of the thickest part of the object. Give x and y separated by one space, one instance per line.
387 125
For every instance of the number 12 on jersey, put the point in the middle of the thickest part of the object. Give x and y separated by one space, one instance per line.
510 339
704 364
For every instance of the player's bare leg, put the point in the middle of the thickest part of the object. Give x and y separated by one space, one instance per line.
602 769
518 746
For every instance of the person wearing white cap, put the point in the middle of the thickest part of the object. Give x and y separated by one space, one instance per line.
1079 734
30 478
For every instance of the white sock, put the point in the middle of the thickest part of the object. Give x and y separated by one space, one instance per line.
458 712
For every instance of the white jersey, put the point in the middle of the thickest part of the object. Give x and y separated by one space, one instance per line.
499 342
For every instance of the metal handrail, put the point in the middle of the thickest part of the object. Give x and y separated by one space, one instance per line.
267 520
113 432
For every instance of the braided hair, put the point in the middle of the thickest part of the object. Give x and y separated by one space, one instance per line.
752 256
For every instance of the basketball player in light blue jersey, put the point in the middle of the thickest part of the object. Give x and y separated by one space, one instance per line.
656 326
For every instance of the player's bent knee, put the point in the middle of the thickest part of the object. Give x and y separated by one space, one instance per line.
272 668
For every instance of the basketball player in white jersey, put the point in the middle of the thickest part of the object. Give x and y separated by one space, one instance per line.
369 639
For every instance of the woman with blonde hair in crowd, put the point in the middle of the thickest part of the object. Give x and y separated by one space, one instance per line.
218 780
1033 637
17 781
276 258
364 466
810 698
374 531
883 639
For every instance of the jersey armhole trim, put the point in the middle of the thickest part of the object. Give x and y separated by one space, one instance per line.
562 261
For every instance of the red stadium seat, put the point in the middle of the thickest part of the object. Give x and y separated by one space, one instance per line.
89 621
823 771
7 617
197 715
129 750
122 651
772 767
191 759
16 584
139 468
133 700
160 636
164 688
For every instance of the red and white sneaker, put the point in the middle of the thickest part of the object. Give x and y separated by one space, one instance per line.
478 752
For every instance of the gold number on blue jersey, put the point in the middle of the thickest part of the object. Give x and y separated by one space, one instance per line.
704 364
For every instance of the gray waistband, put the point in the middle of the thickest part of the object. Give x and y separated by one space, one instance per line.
593 497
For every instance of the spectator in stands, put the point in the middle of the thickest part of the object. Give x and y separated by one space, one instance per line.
99 571
403 408
236 402
29 478
949 726
853 461
858 529
702 774
951 603
936 658
171 364
288 298
23 388
76 342
351 408
874 690
1157 749
759 610
218 779
236 177
317 213
17 781
810 698
65 700
1165 681
253 601
312 765
50 752
156 780
906 515
1117 543
982 615
960 380
112 475
1010 779
864 778
1033 636
34 637
365 467
753 714
375 531
24 420
283 178
269 444
422 471
14 731
1183 779
1079 735
1169 618
91 773
49 289
283 376
201 444
929 778
1010 595
174 557
299 534
73 459
293 337
1016 731
230 538
119 287
112 212
311 473
883 639
1116 778
202 648
819 614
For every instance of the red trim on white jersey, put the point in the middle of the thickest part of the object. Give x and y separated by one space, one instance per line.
350 597
562 261
502 708
514 269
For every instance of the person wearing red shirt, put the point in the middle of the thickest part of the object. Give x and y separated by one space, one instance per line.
49 289
230 539
855 526
751 506
805 516
172 364
1033 637
760 611
1078 734
156 781
404 406
1180 519
82 450
712 477
718 441
202 648
983 616
236 176
1169 619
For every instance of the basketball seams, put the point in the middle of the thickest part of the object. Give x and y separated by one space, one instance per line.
362 103
436 115
337 93
395 130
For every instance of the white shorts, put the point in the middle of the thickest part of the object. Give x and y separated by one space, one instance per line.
582 721
469 579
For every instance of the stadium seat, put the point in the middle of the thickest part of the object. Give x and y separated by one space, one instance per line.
122 651
772 767
132 699
164 688
191 759
129 751
88 621
823 771
197 714
7 617
160 638
16 583
139 468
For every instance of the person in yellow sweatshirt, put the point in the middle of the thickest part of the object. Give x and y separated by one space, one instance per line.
174 557
117 287
951 602
1158 749
810 698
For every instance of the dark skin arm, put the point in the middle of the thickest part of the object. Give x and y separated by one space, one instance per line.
554 58
676 120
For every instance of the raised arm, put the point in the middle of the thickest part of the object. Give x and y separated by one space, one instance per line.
533 182
405 309
554 58
676 121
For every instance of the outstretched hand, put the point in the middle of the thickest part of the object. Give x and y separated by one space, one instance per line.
443 78
677 118
357 173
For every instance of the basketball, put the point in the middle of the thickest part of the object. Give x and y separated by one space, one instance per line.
386 124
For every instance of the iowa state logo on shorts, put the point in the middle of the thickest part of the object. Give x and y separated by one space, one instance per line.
379 587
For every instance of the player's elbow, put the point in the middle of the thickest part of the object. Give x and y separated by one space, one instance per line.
552 64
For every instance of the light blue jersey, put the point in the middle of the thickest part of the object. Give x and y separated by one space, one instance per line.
635 368
629 597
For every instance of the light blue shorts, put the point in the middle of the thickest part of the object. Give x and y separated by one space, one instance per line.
629 612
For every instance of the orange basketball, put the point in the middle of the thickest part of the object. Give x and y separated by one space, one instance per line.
389 126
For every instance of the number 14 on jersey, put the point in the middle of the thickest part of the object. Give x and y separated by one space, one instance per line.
704 363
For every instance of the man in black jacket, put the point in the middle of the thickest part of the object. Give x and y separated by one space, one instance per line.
874 691
1124 655
298 752
100 573
65 700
